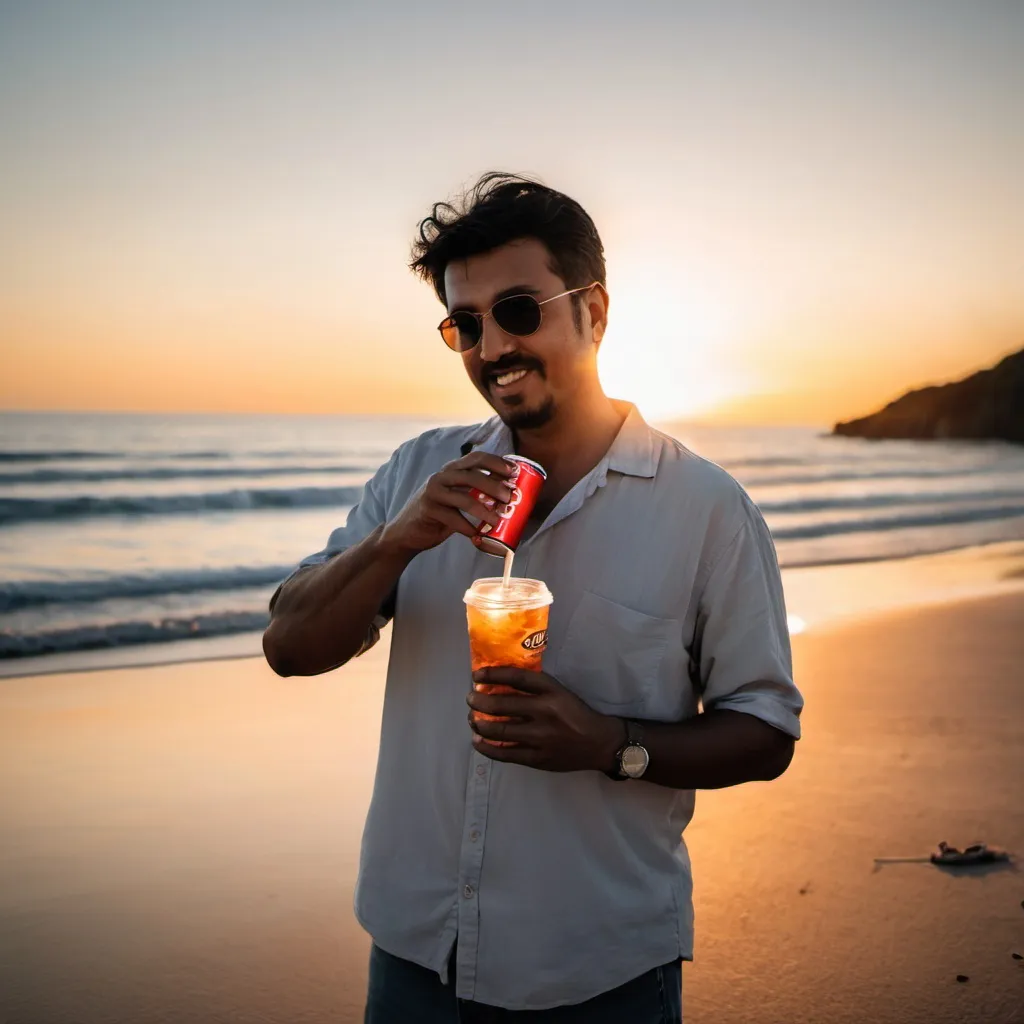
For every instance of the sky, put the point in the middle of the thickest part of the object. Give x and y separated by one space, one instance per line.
806 208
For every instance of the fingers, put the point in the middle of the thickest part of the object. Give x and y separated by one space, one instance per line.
494 486
517 678
442 504
453 520
484 460
496 738
509 755
449 490
510 705
504 731
467 503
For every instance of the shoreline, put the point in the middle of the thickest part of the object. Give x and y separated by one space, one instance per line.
828 596
817 596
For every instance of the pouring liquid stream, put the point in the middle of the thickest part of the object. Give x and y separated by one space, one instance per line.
509 555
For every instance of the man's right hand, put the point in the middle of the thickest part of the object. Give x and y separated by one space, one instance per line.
436 511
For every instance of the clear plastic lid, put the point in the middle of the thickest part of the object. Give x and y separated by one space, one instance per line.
489 593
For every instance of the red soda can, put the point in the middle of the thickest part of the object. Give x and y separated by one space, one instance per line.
526 482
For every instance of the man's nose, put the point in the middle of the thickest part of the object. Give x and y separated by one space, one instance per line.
494 342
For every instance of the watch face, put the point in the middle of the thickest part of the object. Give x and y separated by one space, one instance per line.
634 761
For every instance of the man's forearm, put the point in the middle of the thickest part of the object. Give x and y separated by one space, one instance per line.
321 616
711 751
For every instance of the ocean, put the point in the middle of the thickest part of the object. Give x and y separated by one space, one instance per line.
120 533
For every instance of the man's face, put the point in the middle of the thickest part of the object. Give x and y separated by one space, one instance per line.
557 359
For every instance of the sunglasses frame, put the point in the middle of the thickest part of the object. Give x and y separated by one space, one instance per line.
480 317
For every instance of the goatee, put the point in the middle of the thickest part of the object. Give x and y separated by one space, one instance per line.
529 419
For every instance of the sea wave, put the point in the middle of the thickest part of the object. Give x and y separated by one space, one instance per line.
762 461
81 476
882 524
78 454
68 454
78 601
830 475
16 595
83 454
840 502
20 510
124 634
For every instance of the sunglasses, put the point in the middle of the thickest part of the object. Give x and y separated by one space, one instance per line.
519 315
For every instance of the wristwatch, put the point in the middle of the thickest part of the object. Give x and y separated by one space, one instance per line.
632 758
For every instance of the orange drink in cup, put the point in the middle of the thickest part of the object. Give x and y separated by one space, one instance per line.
508 625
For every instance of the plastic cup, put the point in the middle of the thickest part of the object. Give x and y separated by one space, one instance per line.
507 626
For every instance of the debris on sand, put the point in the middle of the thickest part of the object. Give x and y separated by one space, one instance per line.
977 854
950 856
962 978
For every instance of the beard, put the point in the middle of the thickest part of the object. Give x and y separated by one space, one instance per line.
526 418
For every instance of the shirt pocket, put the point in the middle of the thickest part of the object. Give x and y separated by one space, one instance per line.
612 655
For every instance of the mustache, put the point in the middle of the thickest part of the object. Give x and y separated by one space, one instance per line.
511 362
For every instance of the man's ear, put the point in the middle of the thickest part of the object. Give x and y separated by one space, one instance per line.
597 306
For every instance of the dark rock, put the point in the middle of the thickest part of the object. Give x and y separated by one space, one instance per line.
962 978
988 405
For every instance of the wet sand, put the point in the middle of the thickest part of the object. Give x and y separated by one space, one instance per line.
179 843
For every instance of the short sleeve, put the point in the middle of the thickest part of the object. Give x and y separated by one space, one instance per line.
369 512
363 518
744 660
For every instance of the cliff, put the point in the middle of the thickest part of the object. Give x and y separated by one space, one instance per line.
987 405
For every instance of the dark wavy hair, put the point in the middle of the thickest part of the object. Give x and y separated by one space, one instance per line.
501 208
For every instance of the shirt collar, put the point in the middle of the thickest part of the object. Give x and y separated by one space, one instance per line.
490 436
632 453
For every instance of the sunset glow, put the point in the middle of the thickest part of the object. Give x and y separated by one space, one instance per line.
802 216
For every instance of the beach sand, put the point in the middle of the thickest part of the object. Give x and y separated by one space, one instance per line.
914 733
179 843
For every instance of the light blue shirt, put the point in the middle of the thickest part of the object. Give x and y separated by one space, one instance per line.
667 596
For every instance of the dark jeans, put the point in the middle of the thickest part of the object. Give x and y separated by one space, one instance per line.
401 992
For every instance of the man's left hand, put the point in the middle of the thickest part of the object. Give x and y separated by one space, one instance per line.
552 729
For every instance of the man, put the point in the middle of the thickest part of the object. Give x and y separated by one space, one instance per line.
546 880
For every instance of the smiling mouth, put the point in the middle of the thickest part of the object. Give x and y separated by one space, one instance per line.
507 379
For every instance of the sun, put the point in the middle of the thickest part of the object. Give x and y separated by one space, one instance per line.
668 354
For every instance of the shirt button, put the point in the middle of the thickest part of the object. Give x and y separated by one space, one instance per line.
467 891
474 836
481 770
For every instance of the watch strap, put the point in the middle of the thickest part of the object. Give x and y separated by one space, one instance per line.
616 774
634 738
634 733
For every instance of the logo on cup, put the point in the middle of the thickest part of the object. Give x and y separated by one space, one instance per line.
536 641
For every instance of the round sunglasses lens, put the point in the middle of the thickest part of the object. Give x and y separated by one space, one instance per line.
518 314
461 331
450 333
